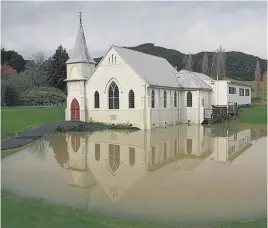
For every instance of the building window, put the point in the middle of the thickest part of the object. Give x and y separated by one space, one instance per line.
153 155
115 59
113 96
203 102
96 100
152 99
109 60
114 157
232 90
189 99
75 141
165 99
175 99
241 92
175 147
189 146
97 152
131 156
165 151
131 99
247 92
112 58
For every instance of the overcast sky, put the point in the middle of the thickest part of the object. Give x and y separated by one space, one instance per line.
189 27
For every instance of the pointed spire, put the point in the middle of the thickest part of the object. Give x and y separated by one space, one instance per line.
80 52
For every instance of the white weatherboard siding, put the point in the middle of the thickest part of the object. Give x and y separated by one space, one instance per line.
142 73
236 97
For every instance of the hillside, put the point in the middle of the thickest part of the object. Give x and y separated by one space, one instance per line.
239 66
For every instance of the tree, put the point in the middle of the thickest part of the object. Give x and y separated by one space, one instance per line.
221 55
13 59
57 69
205 64
37 72
188 62
214 66
257 79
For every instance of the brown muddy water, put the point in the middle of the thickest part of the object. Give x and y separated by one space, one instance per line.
178 173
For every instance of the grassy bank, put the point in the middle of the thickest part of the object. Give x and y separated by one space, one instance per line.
20 119
27 213
5 153
253 115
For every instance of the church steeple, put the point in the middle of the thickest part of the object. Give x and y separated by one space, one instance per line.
80 52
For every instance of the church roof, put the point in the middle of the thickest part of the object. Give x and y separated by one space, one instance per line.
80 52
191 80
154 70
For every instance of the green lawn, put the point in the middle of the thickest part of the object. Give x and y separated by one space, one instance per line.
19 119
254 115
28 213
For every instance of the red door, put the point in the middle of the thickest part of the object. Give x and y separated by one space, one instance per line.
75 110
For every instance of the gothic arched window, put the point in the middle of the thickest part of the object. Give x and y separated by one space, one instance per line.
131 156
114 157
96 100
175 99
165 99
113 96
152 99
131 99
189 99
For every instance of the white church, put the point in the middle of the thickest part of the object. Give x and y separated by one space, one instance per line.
140 89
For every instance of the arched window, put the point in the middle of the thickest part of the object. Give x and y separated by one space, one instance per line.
114 157
189 99
152 99
75 141
165 151
113 96
131 99
175 99
131 156
112 58
97 152
175 147
96 100
165 99
109 60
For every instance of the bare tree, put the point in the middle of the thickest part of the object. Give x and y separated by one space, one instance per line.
205 64
214 66
188 61
221 55
257 79
218 66
36 71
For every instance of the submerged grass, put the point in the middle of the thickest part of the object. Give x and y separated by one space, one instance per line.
8 152
29 213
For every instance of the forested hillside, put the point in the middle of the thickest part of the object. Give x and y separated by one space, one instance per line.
239 66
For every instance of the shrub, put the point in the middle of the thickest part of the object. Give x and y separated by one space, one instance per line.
43 96
221 118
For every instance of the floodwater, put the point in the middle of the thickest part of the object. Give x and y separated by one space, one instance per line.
178 173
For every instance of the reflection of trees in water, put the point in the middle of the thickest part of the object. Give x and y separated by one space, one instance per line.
38 149
59 145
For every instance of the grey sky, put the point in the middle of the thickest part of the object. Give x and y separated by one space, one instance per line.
189 27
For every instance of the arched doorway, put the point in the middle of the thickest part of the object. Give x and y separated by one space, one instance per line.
75 110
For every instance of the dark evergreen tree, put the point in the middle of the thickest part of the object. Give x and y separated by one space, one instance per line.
56 68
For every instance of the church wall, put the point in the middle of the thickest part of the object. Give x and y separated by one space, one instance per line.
161 116
75 91
126 79
194 113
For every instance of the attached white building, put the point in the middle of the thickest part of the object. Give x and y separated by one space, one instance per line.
140 89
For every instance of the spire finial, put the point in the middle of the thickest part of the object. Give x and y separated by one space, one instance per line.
80 17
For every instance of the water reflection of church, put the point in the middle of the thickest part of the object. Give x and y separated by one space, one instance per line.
116 161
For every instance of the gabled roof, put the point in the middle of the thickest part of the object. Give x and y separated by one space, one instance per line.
190 80
199 75
156 71
80 52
